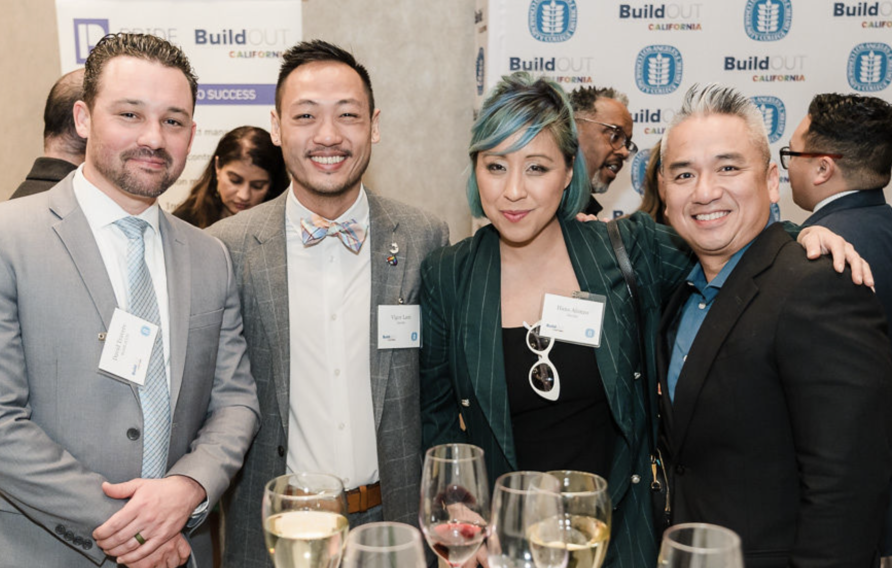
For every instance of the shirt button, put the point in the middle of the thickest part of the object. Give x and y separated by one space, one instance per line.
701 305
685 358
341 426
636 478
334 317
281 450
337 372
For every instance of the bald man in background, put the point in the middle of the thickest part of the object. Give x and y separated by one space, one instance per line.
63 147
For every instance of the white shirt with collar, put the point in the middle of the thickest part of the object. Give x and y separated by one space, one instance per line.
101 212
331 419
832 198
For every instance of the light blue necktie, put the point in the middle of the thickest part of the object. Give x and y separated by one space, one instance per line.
153 395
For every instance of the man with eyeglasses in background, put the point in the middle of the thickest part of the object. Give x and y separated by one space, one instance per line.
605 134
839 160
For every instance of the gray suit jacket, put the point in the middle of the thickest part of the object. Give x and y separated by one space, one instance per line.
256 240
64 426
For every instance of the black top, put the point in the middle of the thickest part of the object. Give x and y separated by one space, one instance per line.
574 432
44 174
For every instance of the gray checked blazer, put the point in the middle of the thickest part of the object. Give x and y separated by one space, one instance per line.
256 240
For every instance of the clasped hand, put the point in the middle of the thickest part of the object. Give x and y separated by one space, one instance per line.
157 510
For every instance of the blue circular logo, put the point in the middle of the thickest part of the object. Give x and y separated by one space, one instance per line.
639 167
658 69
552 21
868 67
774 114
768 20
481 71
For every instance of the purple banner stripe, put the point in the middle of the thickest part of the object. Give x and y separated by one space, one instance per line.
236 95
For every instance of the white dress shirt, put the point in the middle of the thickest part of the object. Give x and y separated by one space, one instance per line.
101 212
331 420
832 198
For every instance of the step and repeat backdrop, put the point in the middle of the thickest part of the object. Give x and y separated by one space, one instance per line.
779 52
234 46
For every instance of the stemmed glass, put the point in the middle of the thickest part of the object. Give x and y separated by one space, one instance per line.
584 527
454 510
384 545
304 520
522 501
700 545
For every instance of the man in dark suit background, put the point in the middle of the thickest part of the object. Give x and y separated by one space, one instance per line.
314 267
604 125
775 371
63 147
839 160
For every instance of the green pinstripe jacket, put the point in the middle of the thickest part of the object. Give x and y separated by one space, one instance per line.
462 363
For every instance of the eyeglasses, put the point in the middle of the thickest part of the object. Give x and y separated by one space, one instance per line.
544 378
785 154
618 138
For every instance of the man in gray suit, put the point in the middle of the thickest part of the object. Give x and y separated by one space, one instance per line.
100 463
322 271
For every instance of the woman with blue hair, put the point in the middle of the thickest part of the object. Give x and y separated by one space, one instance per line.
487 376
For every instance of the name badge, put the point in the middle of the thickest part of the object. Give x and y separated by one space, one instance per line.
128 347
399 327
576 319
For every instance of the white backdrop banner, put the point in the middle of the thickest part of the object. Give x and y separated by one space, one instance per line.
234 46
779 52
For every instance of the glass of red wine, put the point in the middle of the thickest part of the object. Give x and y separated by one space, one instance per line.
454 511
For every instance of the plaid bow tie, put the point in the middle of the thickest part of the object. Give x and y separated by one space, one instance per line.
316 228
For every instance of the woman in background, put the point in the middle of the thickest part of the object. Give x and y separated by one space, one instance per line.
652 198
246 170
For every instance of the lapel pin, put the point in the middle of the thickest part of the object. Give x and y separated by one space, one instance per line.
391 260
394 248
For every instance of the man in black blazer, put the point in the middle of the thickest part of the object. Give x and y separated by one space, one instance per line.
63 147
775 372
839 159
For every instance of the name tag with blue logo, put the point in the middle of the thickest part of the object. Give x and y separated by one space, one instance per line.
573 319
399 327
128 347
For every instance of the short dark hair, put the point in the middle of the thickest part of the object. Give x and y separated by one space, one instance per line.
318 50
583 99
58 114
859 128
141 46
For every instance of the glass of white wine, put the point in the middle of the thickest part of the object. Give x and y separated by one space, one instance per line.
584 527
454 509
384 545
522 500
700 545
305 520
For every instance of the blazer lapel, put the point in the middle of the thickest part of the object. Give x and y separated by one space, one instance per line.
387 282
484 354
736 294
75 233
664 354
268 269
177 260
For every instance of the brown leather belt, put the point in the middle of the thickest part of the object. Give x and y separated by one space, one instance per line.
363 498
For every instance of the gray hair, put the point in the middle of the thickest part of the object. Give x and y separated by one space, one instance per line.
719 99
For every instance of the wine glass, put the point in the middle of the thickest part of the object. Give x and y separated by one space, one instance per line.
700 545
384 545
454 510
584 528
304 520
521 501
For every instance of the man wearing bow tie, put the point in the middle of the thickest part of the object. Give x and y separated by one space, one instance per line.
321 271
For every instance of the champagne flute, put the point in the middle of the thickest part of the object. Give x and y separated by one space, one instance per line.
384 545
584 528
522 500
454 510
700 545
304 520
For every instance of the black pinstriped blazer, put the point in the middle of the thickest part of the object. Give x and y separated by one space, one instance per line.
462 363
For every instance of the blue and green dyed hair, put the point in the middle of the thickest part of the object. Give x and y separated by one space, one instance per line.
520 102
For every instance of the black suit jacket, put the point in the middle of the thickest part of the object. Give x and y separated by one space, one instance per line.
44 174
780 428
